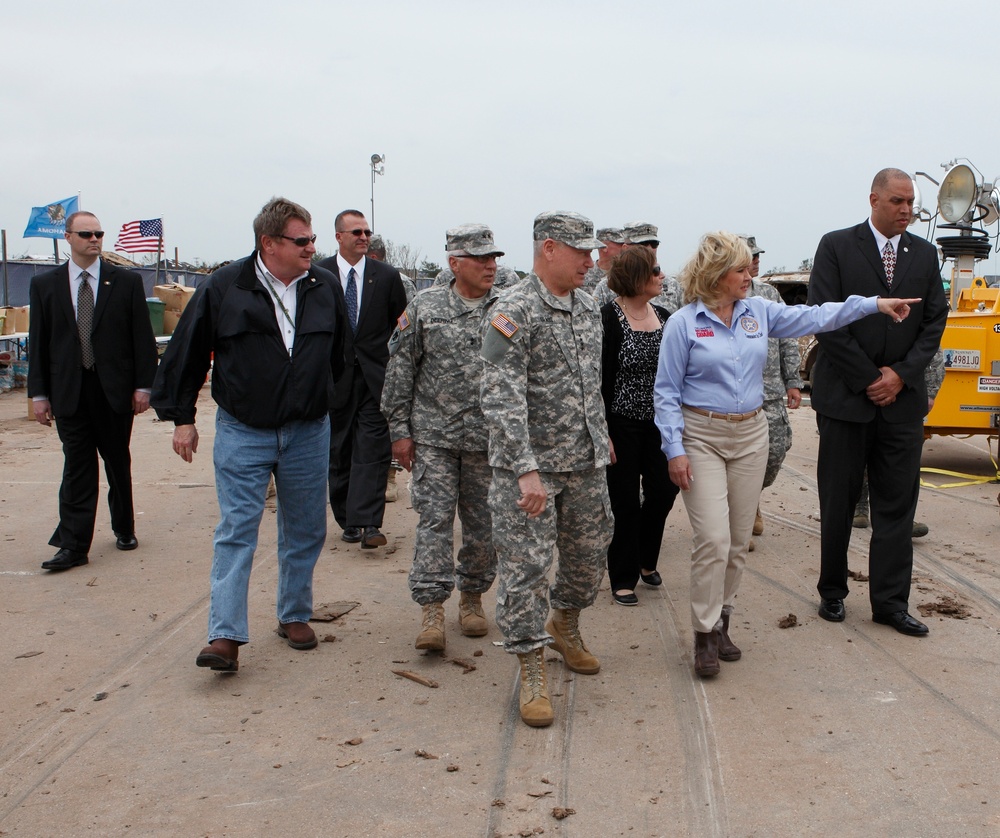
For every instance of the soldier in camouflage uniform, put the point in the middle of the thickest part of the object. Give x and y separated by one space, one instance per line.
614 243
431 401
504 279
541 396
646 234
376 250
781 384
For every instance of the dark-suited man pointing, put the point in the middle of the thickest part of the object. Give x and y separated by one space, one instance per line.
91 365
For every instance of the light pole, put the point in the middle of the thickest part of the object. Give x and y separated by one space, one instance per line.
378 168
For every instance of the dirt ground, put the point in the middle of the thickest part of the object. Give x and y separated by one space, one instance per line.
108 728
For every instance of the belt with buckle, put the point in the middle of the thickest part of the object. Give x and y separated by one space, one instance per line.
729 417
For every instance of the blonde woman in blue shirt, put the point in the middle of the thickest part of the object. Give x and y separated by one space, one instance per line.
708 396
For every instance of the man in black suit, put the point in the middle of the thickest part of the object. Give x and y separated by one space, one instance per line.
870 398
360 449
91 366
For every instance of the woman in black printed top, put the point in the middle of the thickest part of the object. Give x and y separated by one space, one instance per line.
639 484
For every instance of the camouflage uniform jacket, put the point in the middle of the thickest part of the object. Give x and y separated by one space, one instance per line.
593 277
781 372
671 299
541 388
431 392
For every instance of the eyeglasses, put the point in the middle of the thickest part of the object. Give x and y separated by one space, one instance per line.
359 232
482 260
657 270
300 241
89 234
652 245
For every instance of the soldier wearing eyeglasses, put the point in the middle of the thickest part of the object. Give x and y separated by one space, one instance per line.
275 323
431 399
91 364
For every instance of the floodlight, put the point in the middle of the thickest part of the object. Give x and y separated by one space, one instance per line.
957 194
917 203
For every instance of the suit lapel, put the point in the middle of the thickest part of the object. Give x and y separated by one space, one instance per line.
903 261
869 248
104 291
63 295
371 280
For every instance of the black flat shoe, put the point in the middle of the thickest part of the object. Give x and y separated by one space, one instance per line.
903 623
65 559
126 541
352 535
654 580
832 610
626 599
373 538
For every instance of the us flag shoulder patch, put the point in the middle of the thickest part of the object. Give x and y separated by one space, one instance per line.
403 322
504 325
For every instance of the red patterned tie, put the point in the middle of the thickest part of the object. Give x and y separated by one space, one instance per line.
889 260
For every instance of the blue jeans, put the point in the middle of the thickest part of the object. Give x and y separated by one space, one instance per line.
297 454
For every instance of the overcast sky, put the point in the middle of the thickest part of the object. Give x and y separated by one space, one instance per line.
764 118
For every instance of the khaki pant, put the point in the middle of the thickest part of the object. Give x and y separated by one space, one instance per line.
727 465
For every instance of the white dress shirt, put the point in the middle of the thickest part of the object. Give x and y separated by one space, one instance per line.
345 267
288 296
74 281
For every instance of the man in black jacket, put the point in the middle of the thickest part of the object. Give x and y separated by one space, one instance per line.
274 322
359 438
870 398
93 358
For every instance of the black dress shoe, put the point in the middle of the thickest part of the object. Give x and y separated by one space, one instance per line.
625 599
352 535
373 538
832 610
126 541
903 623
65 559
653 579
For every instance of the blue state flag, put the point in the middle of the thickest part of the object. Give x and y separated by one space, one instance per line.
49 222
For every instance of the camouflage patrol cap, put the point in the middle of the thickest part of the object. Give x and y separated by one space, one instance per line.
611 234
471 240
755 249
638 232
570 228
376 244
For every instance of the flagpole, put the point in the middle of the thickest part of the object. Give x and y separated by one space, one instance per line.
159 253
3 247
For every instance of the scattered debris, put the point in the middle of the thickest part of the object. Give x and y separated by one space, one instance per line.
539 793
413 676
467 666
349 762
527 833
100 696
478 653
788 622
67 710
857 576
92 583
328 638
420 752
498 802
559 813
28 655
452 768
945 607
357 740
325 612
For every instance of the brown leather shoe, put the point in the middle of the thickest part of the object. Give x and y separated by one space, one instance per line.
297 635
728 651
220 655
706 654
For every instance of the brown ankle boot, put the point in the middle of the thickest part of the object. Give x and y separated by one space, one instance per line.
728 651
432 632
470 615
564 626
536 707
758 523
706 654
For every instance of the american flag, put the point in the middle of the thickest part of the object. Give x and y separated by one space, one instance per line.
140 236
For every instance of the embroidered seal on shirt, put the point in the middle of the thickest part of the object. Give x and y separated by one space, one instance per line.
749 324
704 332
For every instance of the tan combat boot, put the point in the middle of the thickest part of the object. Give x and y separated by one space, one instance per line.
391 493
432 632
536 708
564 626
470 615
758 523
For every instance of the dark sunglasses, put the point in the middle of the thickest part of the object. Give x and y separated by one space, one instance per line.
301 241
359 232
657 270
89 234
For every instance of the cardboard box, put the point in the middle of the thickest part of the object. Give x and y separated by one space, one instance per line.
22 318
8 321
170 319
174 296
